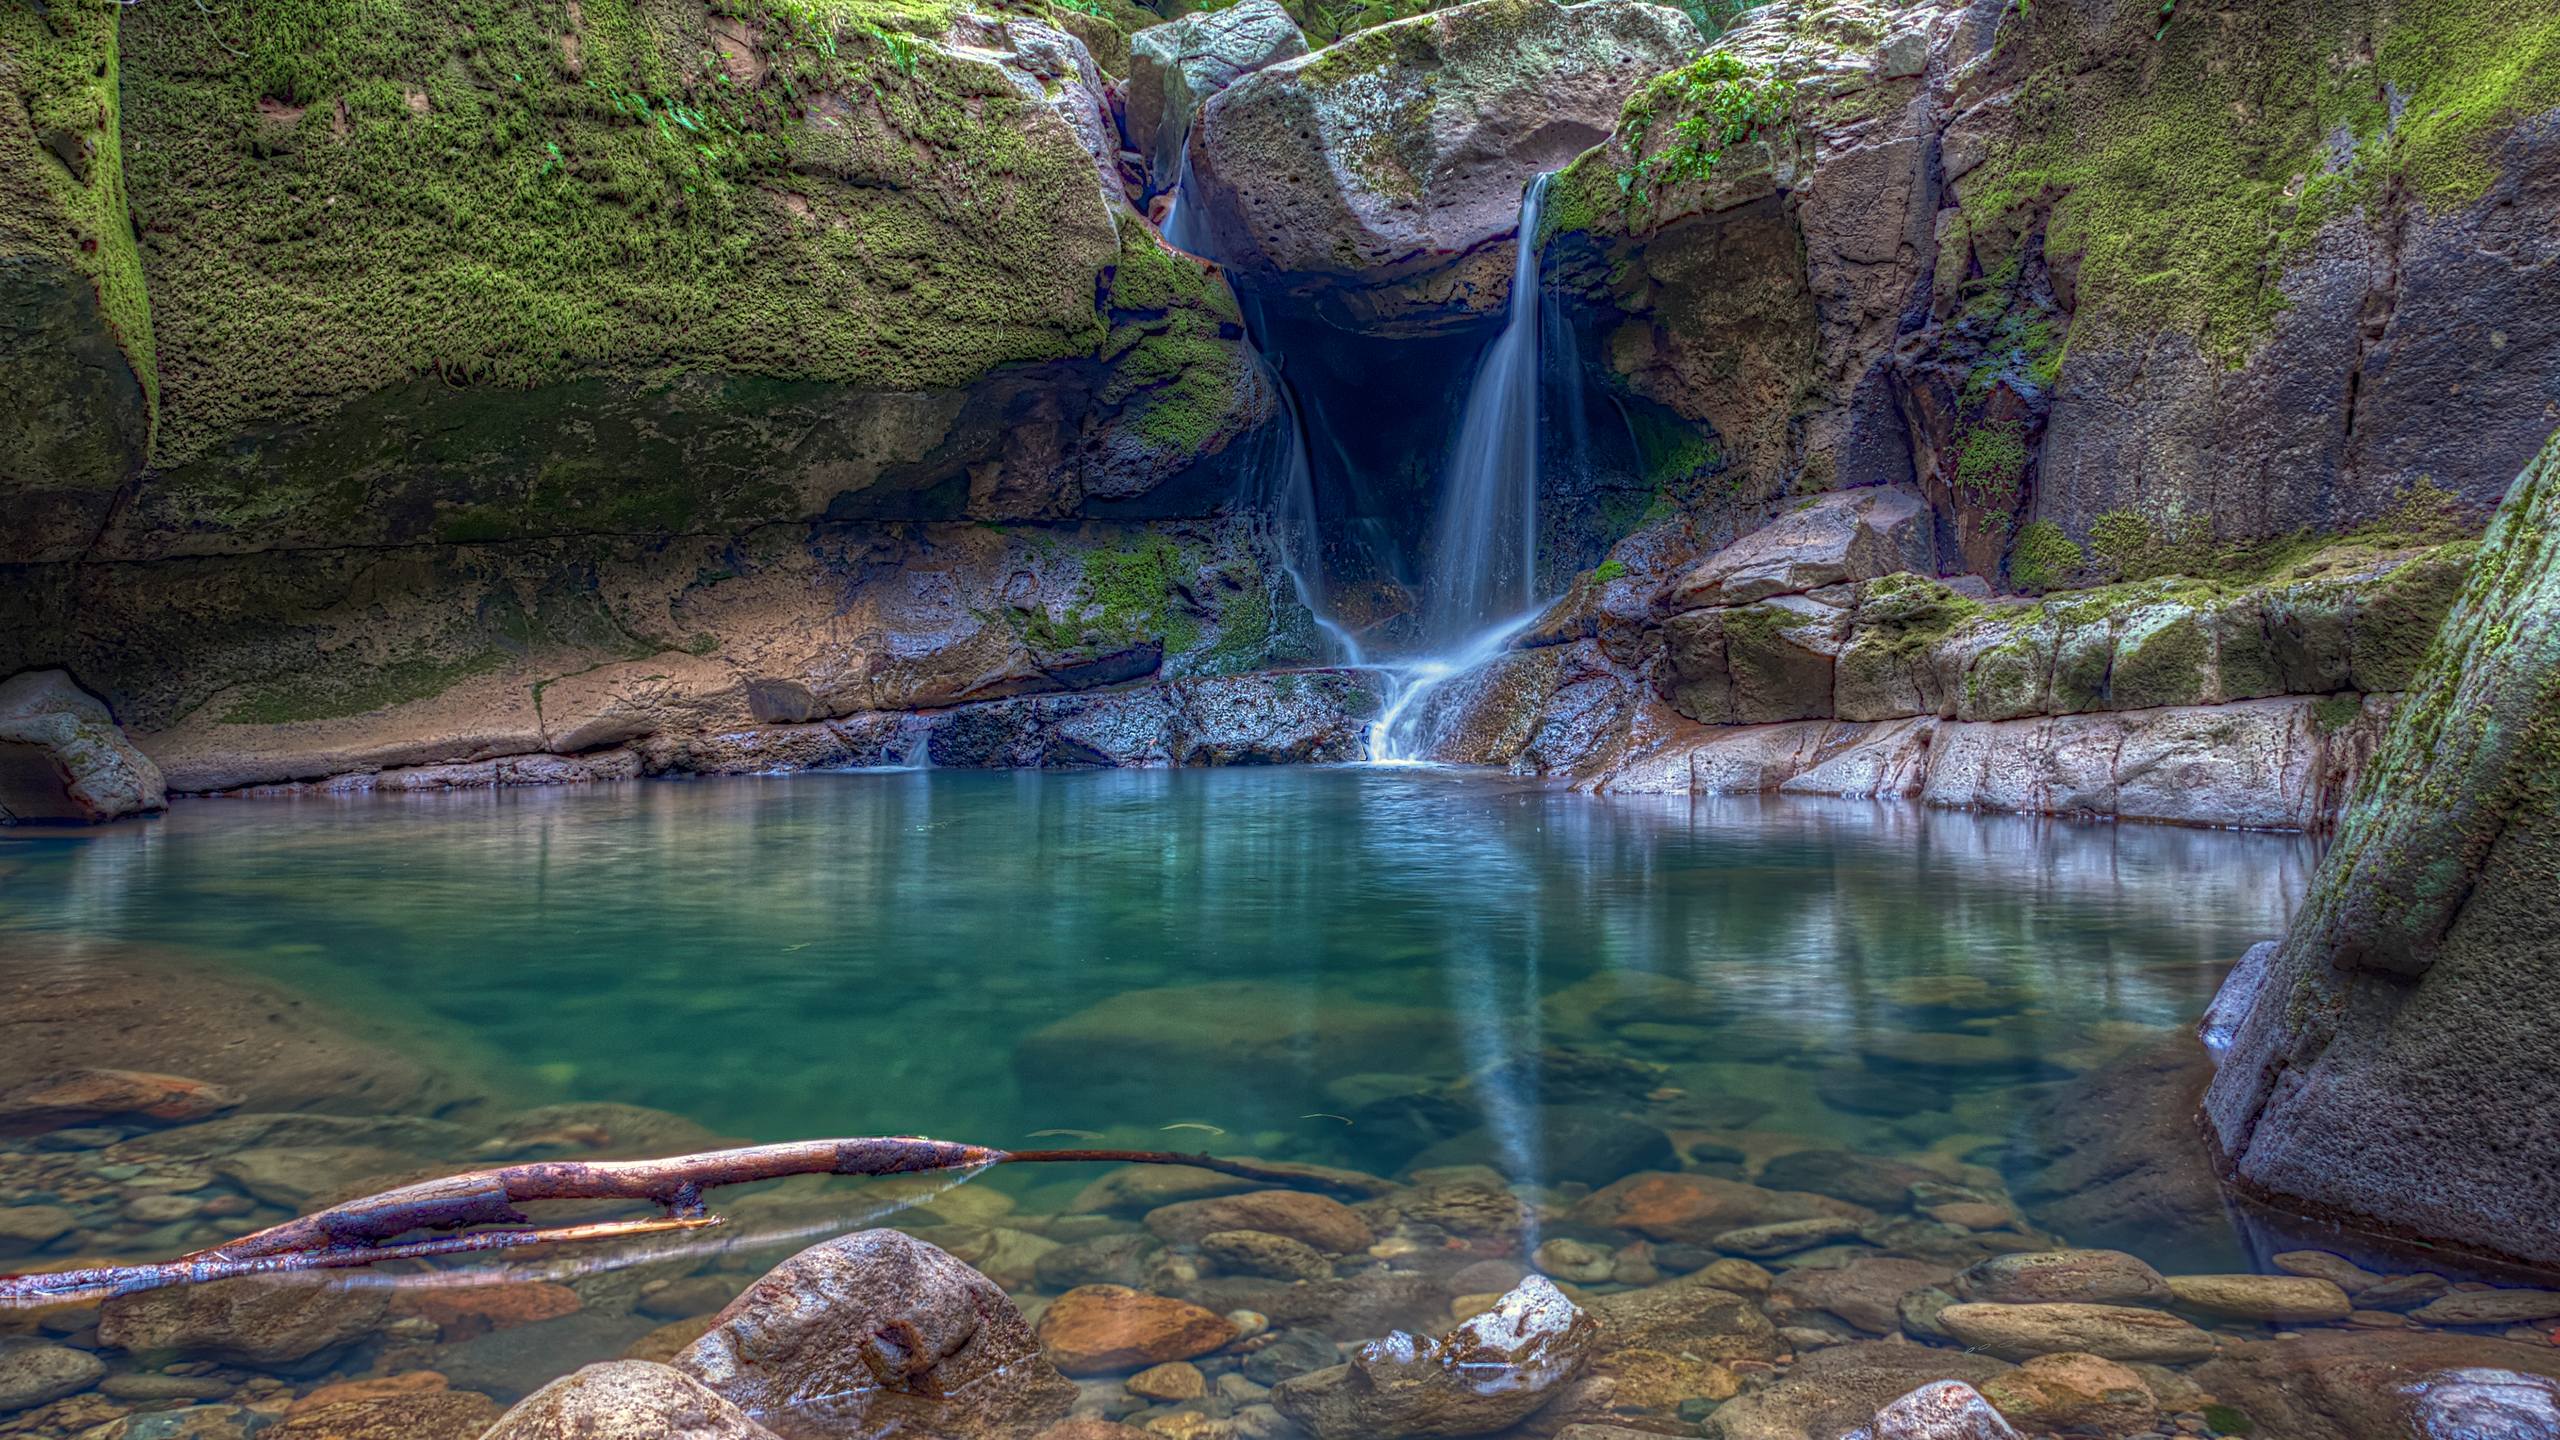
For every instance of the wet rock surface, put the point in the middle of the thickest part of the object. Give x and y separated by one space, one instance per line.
1481 1377
627 1400
878 1330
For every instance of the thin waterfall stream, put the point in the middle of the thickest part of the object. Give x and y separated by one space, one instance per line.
1479 590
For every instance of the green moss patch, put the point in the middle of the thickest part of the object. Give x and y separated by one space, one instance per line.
63 155
334 694
337 197
2184 165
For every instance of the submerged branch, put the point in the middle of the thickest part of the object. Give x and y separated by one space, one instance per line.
369 1230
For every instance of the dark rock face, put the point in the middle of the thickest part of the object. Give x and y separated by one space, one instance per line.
2400 1035
76 423
878 1331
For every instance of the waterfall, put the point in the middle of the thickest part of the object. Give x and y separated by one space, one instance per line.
1484 555
1479 586
1289 500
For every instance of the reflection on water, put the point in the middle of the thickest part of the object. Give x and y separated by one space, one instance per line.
1392 970
845 954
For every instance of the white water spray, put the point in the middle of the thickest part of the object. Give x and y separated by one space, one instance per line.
1479 590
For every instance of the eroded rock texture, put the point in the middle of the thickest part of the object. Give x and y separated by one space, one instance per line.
2398 1045
2088 278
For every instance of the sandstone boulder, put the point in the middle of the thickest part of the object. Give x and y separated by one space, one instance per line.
63 757
1839 538
1175 68
1411 141
878 1331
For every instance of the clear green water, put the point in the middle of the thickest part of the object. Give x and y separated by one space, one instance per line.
860 953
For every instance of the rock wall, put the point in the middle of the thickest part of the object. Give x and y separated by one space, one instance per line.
466 393
2393 1064
2100 283
1814 656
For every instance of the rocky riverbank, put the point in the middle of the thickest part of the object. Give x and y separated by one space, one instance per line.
1682 1260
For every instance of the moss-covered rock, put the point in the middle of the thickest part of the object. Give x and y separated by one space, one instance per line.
75 324
2391 1065
2068 265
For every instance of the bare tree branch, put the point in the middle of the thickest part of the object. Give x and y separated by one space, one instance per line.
376 1228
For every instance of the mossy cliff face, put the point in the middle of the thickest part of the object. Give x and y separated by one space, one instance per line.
75 330
414 273
2395 1063
2243 273
423 384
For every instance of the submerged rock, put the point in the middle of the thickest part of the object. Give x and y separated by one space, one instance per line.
2289 1299
1483 1376
79 1097
1127 1055
2355 1384
1839 1388
162 1012
34 1373
63 757
626 1400
1325 1224
2116 1332
2099 1277
256 1320
431 1415
2477 1404
1109 1329
1691 1207
1691 1315
2083 1393
1945 1410
878 1331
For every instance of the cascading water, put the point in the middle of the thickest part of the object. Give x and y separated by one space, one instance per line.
1479 588
1290 504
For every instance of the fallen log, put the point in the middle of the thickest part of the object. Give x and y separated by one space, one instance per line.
387 1226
